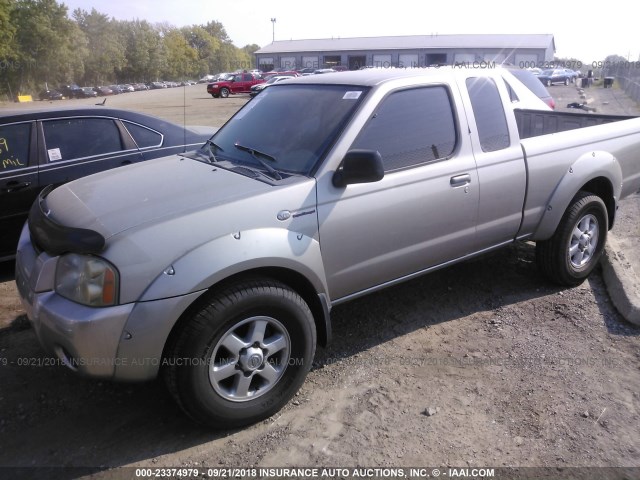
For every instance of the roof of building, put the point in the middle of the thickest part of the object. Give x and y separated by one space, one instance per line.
412 42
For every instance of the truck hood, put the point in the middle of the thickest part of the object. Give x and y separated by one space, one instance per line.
116 200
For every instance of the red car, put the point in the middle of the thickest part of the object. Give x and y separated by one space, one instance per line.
239 83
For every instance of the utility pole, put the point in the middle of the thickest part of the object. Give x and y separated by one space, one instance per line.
273 30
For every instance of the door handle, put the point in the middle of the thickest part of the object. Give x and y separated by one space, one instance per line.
15 186
460 180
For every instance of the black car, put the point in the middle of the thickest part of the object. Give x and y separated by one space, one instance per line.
87 92
54 146
71 91
50 95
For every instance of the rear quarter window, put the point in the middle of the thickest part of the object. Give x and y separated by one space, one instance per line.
489 114
14 146
143 136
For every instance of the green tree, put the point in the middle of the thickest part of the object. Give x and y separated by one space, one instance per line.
145 56
7 31
205 45
251 49
50 46
105 43
182 58
217 31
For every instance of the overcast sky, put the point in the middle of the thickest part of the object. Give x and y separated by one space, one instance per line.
580 31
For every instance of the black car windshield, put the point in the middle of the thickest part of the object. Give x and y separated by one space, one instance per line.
293 124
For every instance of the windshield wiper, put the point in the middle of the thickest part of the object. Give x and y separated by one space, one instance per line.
208 151
256 154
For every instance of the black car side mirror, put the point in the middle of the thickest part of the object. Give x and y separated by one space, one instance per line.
359 166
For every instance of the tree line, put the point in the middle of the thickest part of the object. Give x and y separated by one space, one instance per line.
41 44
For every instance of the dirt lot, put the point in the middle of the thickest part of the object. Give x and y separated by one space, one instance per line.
184 105
484 364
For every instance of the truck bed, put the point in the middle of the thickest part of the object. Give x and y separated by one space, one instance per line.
533 123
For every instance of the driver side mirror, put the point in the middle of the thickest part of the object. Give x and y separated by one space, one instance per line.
359 166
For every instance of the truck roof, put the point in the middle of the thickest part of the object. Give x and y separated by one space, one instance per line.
374 76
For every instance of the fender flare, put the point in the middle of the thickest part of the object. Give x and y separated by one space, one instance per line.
239 252
588 167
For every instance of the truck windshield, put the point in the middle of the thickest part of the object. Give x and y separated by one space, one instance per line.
293 124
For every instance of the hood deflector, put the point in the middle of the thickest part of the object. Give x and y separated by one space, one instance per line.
57 239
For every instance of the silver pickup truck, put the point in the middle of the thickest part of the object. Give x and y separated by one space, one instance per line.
217 269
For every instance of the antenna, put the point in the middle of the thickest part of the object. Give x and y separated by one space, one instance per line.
273 30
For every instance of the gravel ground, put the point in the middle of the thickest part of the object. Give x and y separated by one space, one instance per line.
484 364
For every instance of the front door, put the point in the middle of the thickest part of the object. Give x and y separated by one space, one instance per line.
421 214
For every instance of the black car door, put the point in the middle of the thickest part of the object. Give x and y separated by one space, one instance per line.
78 146
18 181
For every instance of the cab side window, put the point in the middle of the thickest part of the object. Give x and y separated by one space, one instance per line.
73 138
14 146
411 127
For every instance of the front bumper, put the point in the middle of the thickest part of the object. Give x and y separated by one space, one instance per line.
123 342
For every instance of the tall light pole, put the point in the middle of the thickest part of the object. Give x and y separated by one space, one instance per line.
273 30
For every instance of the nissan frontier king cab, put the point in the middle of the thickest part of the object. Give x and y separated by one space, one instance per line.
217 269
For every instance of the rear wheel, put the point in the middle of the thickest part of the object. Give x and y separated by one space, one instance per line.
242 355
573 252
224 92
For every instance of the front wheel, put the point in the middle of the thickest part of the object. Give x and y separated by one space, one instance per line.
566 81
548 83
224 92
574 250
242 355
215 95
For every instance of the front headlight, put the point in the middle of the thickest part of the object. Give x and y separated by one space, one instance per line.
87 280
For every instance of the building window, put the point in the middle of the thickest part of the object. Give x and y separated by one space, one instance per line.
265 64
436 59
382 61
332 60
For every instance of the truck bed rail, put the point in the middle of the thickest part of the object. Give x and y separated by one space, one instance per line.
533 123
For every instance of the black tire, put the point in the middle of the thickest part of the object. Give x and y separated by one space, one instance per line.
224 92
214 95
566 81
219 368
568 258
548 83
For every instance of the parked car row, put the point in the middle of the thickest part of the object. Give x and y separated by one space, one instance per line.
276 71
75 91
